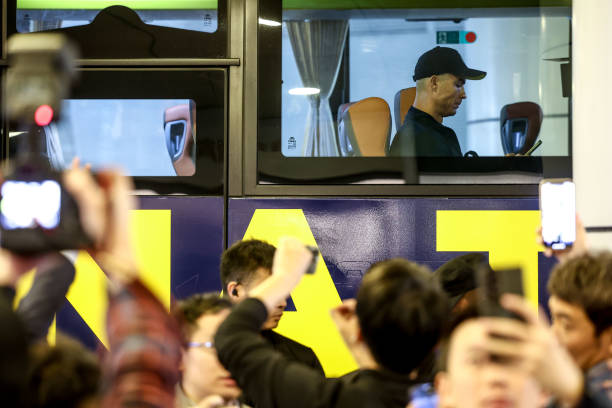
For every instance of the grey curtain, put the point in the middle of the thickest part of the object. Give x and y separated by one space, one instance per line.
318 46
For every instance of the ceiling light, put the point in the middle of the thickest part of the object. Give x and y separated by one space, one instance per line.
270 23
304 91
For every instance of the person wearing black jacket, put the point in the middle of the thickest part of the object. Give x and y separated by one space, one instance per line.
440 76
245 265
394 322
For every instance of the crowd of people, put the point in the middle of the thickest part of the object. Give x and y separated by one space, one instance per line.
421 339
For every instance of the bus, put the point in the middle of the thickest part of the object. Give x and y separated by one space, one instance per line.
262 118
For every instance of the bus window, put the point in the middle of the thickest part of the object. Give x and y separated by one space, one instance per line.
196 15
453 89
105 29
153 124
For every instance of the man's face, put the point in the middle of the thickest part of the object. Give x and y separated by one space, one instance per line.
273 318
475 379
448 94
576 332
203 374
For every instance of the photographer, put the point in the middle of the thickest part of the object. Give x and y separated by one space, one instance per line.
386 344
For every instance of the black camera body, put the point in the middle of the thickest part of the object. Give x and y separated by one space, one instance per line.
36 213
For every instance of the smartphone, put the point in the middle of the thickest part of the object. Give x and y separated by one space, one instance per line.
492 284
315 258
533 148
558 208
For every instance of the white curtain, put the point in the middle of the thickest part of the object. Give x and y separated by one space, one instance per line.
318 46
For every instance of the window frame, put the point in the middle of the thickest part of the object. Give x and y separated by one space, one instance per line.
271 9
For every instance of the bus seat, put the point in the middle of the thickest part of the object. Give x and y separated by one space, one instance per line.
402 102
519 126
364 127
179 138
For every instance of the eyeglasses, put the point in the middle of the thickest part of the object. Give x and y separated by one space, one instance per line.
201 344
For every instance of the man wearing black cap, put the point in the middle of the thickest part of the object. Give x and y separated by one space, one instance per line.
440 74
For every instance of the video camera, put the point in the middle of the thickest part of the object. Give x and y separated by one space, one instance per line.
36 213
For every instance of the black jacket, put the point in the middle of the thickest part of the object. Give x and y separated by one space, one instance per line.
274 381
293 350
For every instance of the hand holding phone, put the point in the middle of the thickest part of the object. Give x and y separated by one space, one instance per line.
558 208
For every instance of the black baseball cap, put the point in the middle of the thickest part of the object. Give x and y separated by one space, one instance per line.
458 276
444 60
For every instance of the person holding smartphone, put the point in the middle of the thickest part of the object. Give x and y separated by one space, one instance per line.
386 344
504 362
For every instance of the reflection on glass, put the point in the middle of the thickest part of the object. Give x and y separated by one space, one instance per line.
41 15
520 102
144 137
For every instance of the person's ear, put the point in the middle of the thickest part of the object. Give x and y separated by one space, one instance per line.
434 81
234 290
606 338
345 318
183 356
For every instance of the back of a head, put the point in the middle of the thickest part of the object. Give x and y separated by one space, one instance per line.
240 261
586 281
188 311
65 375
458 276
401 311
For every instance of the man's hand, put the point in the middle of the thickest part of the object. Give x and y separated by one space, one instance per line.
104 209
579 247
291 260
534 347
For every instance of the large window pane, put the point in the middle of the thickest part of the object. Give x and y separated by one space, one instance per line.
129 28
155 124
347 87
40 15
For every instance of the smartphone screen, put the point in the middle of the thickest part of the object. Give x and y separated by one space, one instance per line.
30 204
558 206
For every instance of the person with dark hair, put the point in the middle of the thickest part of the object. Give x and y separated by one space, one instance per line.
510 362
245 265
457 278
394 322
202 375
65 375
440 76
581 308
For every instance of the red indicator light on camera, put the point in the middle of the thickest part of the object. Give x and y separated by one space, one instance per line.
43 115
470 37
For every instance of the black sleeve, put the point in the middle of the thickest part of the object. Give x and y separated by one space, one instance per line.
45 298
265 374
315 363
